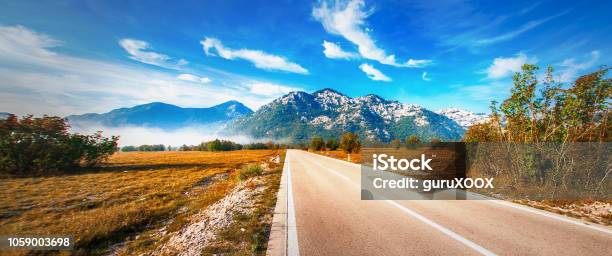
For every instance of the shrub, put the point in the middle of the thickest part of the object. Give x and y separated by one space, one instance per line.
38 146
317 143
331 144
249 171
350 143
412 141
396 144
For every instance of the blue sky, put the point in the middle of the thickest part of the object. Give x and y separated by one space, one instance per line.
73 57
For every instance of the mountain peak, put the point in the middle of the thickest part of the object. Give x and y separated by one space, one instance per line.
327 91
372 98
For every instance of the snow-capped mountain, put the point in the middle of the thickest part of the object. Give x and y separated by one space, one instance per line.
299 115
463 117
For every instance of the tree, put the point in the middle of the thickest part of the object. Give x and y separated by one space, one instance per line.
396 144
331 144
39 146
317 143
350 144
214 145
412 140
128 149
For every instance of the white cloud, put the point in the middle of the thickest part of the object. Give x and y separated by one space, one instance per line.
570 68
333 51
425 77
503 67
20 41
373 73
512 34
62 84
194 78
269 89
347 19
260 59
140 51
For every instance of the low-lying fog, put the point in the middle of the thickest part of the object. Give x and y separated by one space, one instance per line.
135 135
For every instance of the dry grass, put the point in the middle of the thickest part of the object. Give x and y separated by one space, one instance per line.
596 211
133 194
339 154
249 233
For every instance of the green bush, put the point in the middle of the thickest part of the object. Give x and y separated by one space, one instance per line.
249 171
39 146
317 143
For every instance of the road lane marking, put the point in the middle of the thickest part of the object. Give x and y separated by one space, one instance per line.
442 229
293 248
545 214
422 218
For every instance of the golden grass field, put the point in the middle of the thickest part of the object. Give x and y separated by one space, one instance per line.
124 199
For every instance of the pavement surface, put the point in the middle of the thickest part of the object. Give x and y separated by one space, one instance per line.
320 212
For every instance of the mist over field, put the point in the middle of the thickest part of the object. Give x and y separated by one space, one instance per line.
139 135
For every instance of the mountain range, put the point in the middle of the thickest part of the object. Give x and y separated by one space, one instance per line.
164 116
297 116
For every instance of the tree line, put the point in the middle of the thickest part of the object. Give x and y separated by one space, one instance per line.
348 142
213 145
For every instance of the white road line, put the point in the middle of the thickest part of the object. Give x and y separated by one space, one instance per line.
442 229
293 249
549 215
425 220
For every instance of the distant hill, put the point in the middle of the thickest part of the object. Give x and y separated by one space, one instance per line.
164 116
298 116
4 115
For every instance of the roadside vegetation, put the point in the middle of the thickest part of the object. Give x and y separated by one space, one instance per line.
130 204
549 140
347 147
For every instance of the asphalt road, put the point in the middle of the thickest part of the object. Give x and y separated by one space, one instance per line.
324 215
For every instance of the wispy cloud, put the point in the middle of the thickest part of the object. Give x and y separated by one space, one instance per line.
467 25
194 78
347 19
333 51
512 34
269 89
141 51
373 73
570 67
425 77
504 67
260 59
63 84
